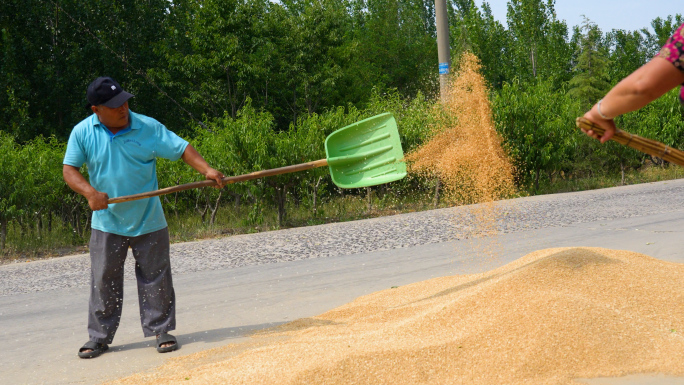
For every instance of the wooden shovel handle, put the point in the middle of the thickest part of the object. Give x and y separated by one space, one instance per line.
228 180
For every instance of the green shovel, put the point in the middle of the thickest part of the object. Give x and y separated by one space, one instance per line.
366 153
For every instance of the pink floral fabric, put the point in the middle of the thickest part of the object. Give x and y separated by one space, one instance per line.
673 51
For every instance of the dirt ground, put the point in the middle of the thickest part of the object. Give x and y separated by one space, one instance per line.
547 318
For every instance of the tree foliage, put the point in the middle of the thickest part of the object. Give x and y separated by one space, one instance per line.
591 80
258 84
537 125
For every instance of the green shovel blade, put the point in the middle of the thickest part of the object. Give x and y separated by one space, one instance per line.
366 153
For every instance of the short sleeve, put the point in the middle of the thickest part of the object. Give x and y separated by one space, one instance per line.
673 50
169 145
75 152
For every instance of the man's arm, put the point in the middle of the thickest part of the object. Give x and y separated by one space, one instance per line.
96 200
195 160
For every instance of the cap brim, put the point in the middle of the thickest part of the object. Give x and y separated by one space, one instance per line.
118 100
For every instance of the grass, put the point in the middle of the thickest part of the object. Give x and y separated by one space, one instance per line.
31 243
237 220
646 174
230 220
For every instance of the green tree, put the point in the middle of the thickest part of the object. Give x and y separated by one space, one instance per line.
249 143
9 176
540 46
397 41
52 50
32 185
537 124
221 54
313 52
663 29
629 52
238 146
478 32
528 22
661 120
591 79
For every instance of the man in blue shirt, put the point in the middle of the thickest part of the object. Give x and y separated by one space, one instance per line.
120 149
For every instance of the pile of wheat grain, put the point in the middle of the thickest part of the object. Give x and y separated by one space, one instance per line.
549 317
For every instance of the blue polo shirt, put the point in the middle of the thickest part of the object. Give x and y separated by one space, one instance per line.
124 164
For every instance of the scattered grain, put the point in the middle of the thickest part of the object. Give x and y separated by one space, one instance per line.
465 154
465 151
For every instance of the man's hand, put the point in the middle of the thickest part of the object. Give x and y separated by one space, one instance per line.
195 160
217 176
97 200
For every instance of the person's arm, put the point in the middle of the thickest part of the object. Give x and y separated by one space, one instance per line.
195 160
96 200
643 86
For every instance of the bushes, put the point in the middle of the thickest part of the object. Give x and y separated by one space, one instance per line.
538 127
536 122
32 192
250 142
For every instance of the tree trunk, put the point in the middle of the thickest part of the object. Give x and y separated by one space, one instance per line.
307 100
438 183
315 195
203 211
281 195
369 202
23 226
237 197
233 108
86 226
3 233
622 170
77 221
39 225
215 209
294 104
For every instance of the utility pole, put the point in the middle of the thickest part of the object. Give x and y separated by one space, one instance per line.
443 50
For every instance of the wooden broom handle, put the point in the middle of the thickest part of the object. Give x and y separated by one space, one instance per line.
645 145
228 180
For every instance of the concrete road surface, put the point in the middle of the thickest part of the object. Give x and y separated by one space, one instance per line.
41 332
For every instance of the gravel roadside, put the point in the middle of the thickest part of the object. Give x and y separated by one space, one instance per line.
386 233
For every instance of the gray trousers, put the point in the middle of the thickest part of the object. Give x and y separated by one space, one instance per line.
152 271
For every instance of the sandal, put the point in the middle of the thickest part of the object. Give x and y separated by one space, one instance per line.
96 349
165 338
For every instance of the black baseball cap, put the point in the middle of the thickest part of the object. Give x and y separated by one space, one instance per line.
107 92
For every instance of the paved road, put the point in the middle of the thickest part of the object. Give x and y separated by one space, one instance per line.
229 287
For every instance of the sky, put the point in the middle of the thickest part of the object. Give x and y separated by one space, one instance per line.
607 14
